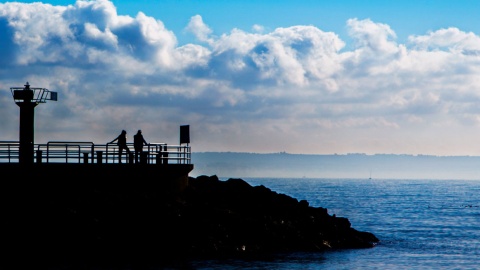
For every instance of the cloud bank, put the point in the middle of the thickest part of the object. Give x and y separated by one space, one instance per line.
295 89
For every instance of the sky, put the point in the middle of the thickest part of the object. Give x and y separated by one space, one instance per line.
303 77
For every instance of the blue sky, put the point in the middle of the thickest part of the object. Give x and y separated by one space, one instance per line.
405 17
313 77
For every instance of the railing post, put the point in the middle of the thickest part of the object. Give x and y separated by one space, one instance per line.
99 157
39 156
165 155
130 158
143 157
85 158
159 157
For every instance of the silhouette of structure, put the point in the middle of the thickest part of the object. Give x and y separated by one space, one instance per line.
37 194
27 98
184 134
167 164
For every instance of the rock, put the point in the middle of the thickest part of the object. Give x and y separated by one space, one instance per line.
256 219
94 223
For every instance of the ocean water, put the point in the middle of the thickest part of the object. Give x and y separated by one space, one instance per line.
421 224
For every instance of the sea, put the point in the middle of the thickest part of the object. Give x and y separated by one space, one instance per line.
421 224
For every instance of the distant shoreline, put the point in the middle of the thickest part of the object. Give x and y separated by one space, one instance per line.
357 166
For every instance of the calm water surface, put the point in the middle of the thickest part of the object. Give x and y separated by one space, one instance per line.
422 224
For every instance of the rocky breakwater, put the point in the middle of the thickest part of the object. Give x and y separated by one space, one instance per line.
121 221
233 217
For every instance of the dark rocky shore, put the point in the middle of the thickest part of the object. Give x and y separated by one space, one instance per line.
256 219
64 223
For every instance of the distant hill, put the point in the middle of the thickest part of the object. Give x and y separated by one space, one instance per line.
379 166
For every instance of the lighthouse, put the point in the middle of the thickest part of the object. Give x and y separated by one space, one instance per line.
27 98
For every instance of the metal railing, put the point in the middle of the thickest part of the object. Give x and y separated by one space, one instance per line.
89 152
9 151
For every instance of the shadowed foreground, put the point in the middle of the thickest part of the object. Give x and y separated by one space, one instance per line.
87 223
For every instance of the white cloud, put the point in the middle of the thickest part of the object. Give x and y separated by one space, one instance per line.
373 36
92 32
451 39
201 31
264 89
258 28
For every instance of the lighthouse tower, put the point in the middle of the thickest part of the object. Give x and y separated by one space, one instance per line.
27 98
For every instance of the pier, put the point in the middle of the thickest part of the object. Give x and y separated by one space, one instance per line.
159 165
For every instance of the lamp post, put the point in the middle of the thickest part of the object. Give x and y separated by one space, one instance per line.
27 98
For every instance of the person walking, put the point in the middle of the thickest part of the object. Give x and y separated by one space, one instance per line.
138 142
122 144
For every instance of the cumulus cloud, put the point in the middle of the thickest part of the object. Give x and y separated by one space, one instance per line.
287 86
199 29
450 39
377 37
258 28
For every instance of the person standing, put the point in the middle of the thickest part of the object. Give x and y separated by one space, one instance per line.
138 142
122 144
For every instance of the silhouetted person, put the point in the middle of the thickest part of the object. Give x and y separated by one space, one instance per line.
138 142
122 144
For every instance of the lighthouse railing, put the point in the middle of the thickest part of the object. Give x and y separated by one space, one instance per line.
9 151
89 152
